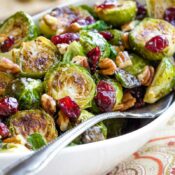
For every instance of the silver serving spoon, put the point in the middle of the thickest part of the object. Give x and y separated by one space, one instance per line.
34 162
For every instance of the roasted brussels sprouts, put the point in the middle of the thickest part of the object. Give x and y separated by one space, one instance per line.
94 134
116 12
90 40
36 57
5 79
153 39
20 26
126 79
138 65
67 79
74 49
28 122
163 82
117 37
27 91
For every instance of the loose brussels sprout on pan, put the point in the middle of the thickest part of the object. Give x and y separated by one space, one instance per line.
154 39
20 26
163 82
28 122
67 79
90 40
36 57
27 91
5 79
116 12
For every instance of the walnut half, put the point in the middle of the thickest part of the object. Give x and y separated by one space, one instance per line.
128 102
107 66
146 77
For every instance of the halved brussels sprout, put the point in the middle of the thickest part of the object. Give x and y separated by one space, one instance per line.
138 65
94 134
117 12
31 121
89 40
21 27
74 49
117 37
67 79
36 57
156 9
5 79
27 91
163 82
126 79
147 30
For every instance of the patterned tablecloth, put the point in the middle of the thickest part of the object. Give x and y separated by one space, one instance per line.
157 157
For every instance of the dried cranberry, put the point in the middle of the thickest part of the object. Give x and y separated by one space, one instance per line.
8 106
138 93
107 35
7 44
170 15
93 58
107 4
4 131
141 11
65 38
157 44
69 108
106 96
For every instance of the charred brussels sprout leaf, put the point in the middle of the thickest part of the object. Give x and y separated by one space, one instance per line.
36 141
74 49
119 13
27 91
90 40
5 79
66 79
33 121
163 82
94 134
36 57
138 65
127 80
147 30
21 27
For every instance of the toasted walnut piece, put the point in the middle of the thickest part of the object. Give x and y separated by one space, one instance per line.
128 102
18 139
81 60
48 104
51 21
107 66
123 60
146 77
120 48
8 66
129 26
74 27
62 121
125 40
62 48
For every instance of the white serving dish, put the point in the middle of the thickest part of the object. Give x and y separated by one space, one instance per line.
100 157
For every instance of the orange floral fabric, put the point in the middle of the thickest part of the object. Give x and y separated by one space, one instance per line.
157 157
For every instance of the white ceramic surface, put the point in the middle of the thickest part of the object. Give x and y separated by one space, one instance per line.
97 158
